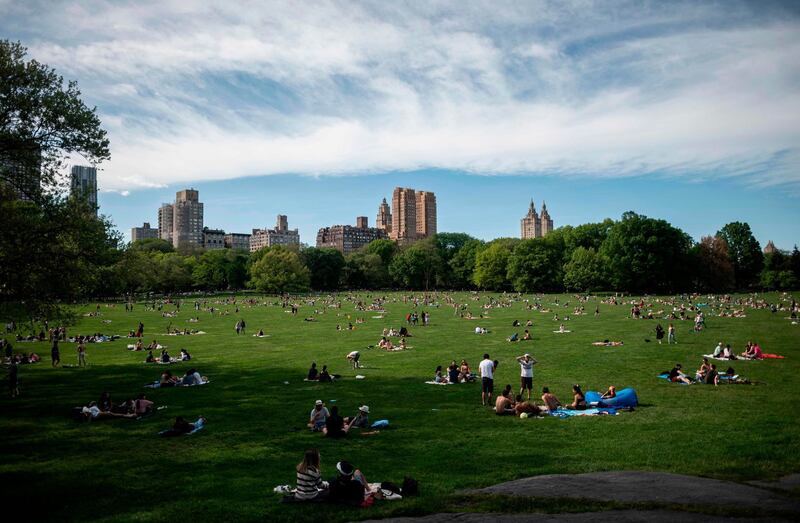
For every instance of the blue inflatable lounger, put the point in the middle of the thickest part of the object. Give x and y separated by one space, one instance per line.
624 398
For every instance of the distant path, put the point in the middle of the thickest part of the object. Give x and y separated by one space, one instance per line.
636 487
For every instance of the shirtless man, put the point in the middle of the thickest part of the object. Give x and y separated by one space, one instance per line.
503 405
551 403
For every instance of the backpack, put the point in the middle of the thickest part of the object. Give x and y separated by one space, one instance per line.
410 487
391 487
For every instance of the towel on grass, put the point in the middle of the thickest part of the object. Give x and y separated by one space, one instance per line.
563 413
440 383
666 377
561 332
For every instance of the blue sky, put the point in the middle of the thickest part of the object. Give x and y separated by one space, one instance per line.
681 110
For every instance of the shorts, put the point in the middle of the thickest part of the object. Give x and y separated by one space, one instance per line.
487 385
526 383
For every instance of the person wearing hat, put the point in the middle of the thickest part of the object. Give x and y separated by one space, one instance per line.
318 417
361 420
526 364
349 487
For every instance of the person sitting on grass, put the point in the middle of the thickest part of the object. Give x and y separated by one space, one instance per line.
503 406
324 375
438 376
464 373
318 417
182 427
402 343
334 426
551 403
513 337
578 399
718 350
310 486
360 421
753 352
610 393
165 356
260 333
701 373
349 487
526 335
712 377
139 345
385 344
167 379
525 407
105 404
185 356
143 406
453 372
150 358
676 375
313 373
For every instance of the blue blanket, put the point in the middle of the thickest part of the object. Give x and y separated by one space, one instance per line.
563 413
624 398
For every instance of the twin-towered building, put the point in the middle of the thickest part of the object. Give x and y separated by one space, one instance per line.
534 225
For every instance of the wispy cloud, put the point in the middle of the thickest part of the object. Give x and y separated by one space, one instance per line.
194 92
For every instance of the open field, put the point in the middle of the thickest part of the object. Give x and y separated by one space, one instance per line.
120 470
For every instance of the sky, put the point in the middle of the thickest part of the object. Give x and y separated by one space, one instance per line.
686 111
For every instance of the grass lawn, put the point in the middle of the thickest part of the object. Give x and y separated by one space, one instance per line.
59 469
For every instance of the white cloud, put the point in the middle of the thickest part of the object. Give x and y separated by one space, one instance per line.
195 92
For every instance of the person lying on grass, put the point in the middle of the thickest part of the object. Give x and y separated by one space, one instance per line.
610 393
192 377
182 427
514 337
550 401
676 375
93 413
607 343
526 407
578 399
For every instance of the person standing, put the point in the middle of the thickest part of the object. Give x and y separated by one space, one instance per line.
487 379
526 364
659 333
55 355
671 335
13 379
354 357
81 355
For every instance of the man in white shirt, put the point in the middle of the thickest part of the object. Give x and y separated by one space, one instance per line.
487 379
718 350
526 364
318 417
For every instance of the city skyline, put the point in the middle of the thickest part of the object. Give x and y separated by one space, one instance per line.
313 203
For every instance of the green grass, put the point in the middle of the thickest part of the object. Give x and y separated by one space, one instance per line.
120 470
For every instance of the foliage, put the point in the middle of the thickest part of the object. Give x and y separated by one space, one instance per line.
220 269
645 254
491 264
535 265
744 253
418 266
325 266
713 270
42 123
152 244
586 270
462 265
279 270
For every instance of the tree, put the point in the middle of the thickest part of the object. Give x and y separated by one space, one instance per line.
744 252
364 270
418 266
535 265
152 244
386 249
42 124
462 265
491 264
586 270
278 270
51 254
646 255
713 269
325 266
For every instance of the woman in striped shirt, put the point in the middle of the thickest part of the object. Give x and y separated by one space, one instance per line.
309 480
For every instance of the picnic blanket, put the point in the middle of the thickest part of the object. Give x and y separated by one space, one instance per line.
564 413
665 376
561 332
440 383
712 357
157 385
